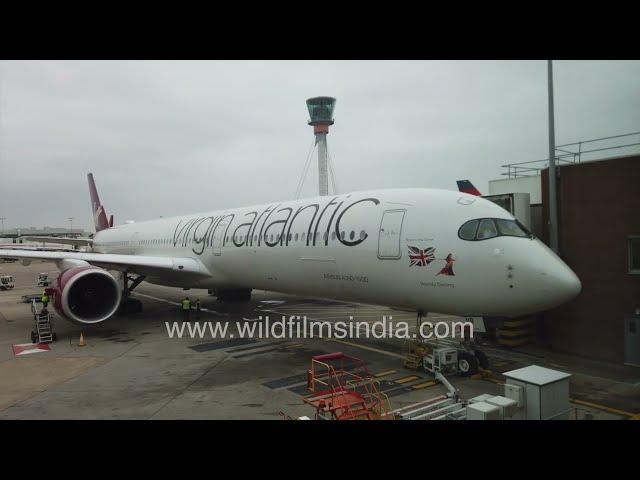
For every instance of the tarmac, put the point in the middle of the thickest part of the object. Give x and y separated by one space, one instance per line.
131 368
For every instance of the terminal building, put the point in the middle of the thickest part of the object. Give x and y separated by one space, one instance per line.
599 238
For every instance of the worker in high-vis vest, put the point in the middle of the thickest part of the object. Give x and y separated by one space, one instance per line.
44 299
197 308
186 308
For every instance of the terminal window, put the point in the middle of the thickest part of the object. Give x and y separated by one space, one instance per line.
634 254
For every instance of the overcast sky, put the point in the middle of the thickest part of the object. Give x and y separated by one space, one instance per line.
170 138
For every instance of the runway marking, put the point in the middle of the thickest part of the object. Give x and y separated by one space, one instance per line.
385 373
295 345
419 386
408 379
364 347
603 408
178 304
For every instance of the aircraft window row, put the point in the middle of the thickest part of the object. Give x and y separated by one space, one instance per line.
296 237
485 228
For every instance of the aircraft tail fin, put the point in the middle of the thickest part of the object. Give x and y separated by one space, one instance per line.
465 186
99 214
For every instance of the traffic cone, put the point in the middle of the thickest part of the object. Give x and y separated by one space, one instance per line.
81 343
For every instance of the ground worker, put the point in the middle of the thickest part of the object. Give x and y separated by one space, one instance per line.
197 308
186 308
44 299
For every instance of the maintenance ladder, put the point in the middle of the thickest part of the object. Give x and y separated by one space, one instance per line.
43 328
42 325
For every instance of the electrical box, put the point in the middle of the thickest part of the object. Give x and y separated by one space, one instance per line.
506 405
482 411
516 393
545 392
480 398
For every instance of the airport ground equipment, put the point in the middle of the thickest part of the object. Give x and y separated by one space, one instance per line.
482 411
343 388
43 279
42 326
449 357
540 393
6 282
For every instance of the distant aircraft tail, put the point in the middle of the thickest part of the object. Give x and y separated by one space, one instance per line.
99 214
465 186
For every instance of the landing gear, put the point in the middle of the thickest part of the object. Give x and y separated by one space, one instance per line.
467 364
129 305
234 295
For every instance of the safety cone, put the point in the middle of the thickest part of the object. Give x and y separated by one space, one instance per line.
81 343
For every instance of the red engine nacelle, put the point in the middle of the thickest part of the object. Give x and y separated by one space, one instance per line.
86 294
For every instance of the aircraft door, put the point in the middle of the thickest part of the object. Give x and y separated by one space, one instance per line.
389 234
218 236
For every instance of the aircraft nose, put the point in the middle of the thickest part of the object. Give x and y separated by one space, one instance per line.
559 282
563 283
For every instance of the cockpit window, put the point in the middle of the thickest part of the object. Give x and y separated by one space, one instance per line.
468 230
485 228
511 228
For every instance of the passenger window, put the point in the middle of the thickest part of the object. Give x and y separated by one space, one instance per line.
333 235
352 235
326 236
362 234
468 230
487 229
296 237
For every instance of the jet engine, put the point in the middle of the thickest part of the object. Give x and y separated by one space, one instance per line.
86 294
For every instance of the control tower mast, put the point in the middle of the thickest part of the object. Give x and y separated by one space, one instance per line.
321 114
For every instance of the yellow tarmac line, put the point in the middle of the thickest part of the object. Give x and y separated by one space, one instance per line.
295 345
385 373
364 347
408 379
424 385
604 408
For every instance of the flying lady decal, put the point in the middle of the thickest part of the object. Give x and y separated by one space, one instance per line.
448 268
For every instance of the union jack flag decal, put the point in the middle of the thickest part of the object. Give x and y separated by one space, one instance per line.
421 258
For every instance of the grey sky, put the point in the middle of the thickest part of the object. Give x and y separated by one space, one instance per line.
167 138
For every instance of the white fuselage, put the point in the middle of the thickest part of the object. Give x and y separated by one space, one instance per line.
360 252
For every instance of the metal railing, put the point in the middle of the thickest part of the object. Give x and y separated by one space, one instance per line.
571 153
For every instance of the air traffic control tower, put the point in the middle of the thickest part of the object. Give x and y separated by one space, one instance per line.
321 114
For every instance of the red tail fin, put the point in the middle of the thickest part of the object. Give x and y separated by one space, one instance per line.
99 214
466 186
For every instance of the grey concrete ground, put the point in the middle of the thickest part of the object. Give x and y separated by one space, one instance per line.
131 369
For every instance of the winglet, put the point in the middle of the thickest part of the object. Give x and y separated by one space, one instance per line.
99 214
465 186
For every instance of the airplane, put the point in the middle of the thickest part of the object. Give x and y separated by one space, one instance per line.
467 187
417 249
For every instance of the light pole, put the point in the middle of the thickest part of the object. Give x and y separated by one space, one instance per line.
553 198
2 219
70 225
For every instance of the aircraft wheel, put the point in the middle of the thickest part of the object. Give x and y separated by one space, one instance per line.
467 364
54 337
34 337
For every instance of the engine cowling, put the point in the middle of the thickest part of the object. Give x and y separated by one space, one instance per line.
86 294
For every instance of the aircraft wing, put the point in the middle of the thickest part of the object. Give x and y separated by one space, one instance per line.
62 240
141 264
